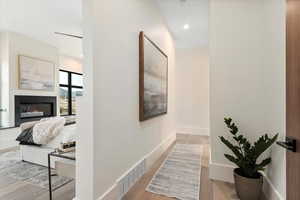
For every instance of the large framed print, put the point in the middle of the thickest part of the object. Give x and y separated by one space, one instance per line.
36 74
153 83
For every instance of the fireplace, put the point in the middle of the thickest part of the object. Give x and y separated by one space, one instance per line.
32 108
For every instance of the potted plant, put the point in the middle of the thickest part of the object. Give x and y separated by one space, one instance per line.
247 177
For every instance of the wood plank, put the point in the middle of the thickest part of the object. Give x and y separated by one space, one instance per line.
6 181
21 191
11 189
209 190
65 168
67 192
18 190
293 96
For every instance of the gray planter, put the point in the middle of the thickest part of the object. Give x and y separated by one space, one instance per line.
248 188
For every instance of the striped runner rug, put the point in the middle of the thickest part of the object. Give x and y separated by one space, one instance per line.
179 175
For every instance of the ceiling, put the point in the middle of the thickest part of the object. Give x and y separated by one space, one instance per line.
178 13
41 18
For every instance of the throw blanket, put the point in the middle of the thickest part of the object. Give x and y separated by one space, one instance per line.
28 125
43 131
25 137
47 129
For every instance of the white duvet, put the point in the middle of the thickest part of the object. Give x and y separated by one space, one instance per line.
47 129
51 132
67 134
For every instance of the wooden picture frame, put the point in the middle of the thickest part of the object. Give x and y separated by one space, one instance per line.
153 79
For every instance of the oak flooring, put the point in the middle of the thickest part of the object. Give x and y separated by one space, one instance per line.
209 190
11 189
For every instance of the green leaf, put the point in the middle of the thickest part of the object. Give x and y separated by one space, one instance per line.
261 166
232 159
263 143
233 128
227 121
245 154
232 147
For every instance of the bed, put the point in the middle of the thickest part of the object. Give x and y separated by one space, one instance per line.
39 154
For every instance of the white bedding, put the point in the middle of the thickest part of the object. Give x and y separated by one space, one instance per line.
46 129
39 155
67 134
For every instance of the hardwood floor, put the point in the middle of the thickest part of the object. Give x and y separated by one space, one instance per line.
209 190
12 189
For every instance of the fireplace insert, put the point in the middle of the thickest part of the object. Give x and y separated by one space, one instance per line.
32 108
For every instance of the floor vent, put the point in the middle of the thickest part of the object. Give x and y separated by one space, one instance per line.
130 178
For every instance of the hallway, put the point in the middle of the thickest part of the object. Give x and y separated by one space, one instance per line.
210 190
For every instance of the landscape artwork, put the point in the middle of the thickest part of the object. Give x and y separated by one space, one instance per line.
153 79
36 74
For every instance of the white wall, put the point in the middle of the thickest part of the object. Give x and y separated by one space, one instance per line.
17 44
12 45
4 78
3 17
69 63
8 138
85 121
39 20
111 96
247 57
192 90
275 88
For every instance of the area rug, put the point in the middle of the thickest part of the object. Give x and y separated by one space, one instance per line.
179 175
12 166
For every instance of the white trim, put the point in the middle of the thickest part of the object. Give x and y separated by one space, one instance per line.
193 131
154 155
114 192
222 172
270 191
111 193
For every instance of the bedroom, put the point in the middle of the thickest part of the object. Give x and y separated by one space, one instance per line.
41 77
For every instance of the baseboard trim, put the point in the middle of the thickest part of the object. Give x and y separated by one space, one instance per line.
222 172
115 191
270 191
154 155
111 193
193 131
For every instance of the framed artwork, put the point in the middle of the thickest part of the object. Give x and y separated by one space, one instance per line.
153 83
36 74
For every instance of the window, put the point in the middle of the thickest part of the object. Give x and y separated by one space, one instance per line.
70 87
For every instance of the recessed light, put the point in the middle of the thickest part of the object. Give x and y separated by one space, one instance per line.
186 27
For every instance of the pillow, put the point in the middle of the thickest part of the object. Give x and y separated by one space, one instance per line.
25 138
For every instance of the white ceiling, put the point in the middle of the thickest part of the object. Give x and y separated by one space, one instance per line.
177 13
41 18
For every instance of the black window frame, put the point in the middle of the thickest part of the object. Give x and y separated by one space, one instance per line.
69 86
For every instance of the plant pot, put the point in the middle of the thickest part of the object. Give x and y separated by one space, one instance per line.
248 188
